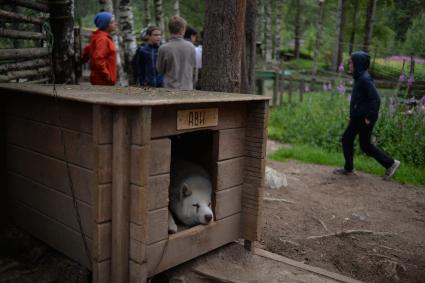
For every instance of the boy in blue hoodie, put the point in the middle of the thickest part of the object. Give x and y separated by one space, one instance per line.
364 111
147 75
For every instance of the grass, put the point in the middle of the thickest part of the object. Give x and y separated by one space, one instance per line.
406 174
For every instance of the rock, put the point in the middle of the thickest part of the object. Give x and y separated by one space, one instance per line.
274 179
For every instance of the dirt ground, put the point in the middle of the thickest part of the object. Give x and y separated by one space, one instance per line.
359 226
369 229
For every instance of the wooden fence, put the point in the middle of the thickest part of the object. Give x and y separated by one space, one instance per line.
292 83
24 48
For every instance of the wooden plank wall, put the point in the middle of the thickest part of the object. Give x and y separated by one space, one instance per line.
255 159
40 197
139 221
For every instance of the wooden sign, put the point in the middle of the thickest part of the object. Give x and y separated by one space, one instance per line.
197 118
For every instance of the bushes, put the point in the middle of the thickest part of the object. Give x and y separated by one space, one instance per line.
321 119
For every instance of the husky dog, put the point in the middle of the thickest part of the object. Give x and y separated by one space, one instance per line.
190 195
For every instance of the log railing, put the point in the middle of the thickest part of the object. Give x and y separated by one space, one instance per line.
31 63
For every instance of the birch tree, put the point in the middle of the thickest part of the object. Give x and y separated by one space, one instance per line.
339 40
147 13
62 25
318 36
222 51
268 31
278 28
126 23
159 15
297 28
176 7
370 16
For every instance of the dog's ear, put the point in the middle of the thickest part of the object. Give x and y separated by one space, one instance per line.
187 192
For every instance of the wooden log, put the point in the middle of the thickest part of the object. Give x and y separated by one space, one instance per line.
9 33
23 53
102 271
120 196
158 191
25 74
160 156
20 18
230 143
31 4
230 173
191 243
24 65
228 202
138 272
158 225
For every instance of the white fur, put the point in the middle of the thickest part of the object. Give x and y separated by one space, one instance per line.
190 198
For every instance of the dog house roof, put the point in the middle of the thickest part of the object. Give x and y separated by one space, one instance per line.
127 96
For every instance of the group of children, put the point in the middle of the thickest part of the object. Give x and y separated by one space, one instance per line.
174 64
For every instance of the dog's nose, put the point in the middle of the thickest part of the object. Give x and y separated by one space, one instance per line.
208 217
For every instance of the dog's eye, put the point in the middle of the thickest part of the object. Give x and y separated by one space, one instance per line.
196 205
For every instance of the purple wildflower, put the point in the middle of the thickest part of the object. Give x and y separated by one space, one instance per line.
307 88
410 81
349 98
341 88
341 68
402 78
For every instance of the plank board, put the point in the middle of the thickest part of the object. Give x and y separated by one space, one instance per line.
191 243
73 115
141 126
230 173
158 225
50 172
47 140
138 272
51 203
231 143
102 124
51 232
138 205
158 191
160 156
139 163
164 119
227 202
102 272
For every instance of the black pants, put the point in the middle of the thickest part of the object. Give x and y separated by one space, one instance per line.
359 126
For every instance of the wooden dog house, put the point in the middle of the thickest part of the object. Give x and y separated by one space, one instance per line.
116 143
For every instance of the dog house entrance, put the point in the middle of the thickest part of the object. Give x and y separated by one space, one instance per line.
192 179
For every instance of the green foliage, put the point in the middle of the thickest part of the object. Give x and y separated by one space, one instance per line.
321 119
406 174
415 37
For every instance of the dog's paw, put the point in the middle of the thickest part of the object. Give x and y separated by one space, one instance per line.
172 227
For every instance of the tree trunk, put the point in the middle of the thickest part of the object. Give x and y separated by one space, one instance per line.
248 58
176 7
62 25
268 31
222 51
108 6
339 41
147 13
297 29
370 17
129 39
353 26
260 26
318 36
159 15
279 16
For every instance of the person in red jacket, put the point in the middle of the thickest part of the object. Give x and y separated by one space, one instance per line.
101 51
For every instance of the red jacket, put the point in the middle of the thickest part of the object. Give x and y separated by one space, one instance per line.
102 54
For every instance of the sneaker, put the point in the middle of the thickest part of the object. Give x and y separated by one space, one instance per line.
391 171
343 171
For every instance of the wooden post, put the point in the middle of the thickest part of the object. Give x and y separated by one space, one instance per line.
3 189
120 196
301 89
282 90
290 91
276 89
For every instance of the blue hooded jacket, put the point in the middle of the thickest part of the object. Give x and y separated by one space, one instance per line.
147 74
365 101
